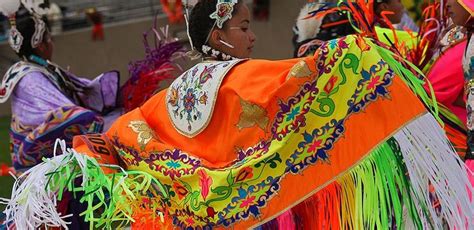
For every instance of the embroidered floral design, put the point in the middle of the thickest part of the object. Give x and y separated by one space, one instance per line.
144 132
191 97
301 69
173 100
244 174
206 198
180 190
205 182
251 115
223 11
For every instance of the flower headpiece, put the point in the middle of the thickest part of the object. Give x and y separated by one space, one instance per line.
224 9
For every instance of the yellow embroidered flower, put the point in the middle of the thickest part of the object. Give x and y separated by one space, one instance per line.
145 133
301 69
173 100
203 99
252 114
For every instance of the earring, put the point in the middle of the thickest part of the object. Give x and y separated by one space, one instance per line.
226 44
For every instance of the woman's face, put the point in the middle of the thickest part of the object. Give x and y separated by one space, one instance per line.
458 14
236 33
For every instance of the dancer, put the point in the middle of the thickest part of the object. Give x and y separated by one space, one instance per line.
462 12
236 142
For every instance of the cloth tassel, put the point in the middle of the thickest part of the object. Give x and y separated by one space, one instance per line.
396 186
450 182
286 221
36 193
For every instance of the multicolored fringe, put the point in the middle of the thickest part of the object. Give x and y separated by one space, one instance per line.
374 194
378 194
111 199
428 39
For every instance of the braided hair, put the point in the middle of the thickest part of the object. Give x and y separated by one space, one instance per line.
26 25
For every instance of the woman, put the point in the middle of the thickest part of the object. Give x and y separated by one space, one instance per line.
234 38
48 102
461 12
236 143
445 74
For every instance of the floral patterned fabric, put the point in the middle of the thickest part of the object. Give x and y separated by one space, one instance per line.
281 131
192 97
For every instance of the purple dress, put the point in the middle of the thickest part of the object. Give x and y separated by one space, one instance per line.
43 112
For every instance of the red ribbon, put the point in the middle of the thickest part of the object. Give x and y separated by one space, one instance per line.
174 10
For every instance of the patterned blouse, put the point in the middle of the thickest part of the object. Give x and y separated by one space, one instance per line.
468 66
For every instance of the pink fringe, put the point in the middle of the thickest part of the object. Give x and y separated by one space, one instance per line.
286 221
470 165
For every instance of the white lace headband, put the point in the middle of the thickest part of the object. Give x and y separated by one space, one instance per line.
36 8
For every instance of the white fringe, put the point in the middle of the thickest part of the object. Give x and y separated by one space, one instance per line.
430 159
32 205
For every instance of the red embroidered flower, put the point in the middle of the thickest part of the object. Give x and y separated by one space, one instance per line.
205 181
245 173
330 85
374 81
180 190
247 202
315 146
211 212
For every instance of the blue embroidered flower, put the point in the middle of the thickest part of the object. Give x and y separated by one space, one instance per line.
173 164
333 43
294 112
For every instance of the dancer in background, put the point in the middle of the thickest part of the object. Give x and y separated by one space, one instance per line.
462 13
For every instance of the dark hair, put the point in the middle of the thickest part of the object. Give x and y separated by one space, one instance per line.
200 23
25 24
326 34
377 3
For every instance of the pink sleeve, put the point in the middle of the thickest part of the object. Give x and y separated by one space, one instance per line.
446 75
